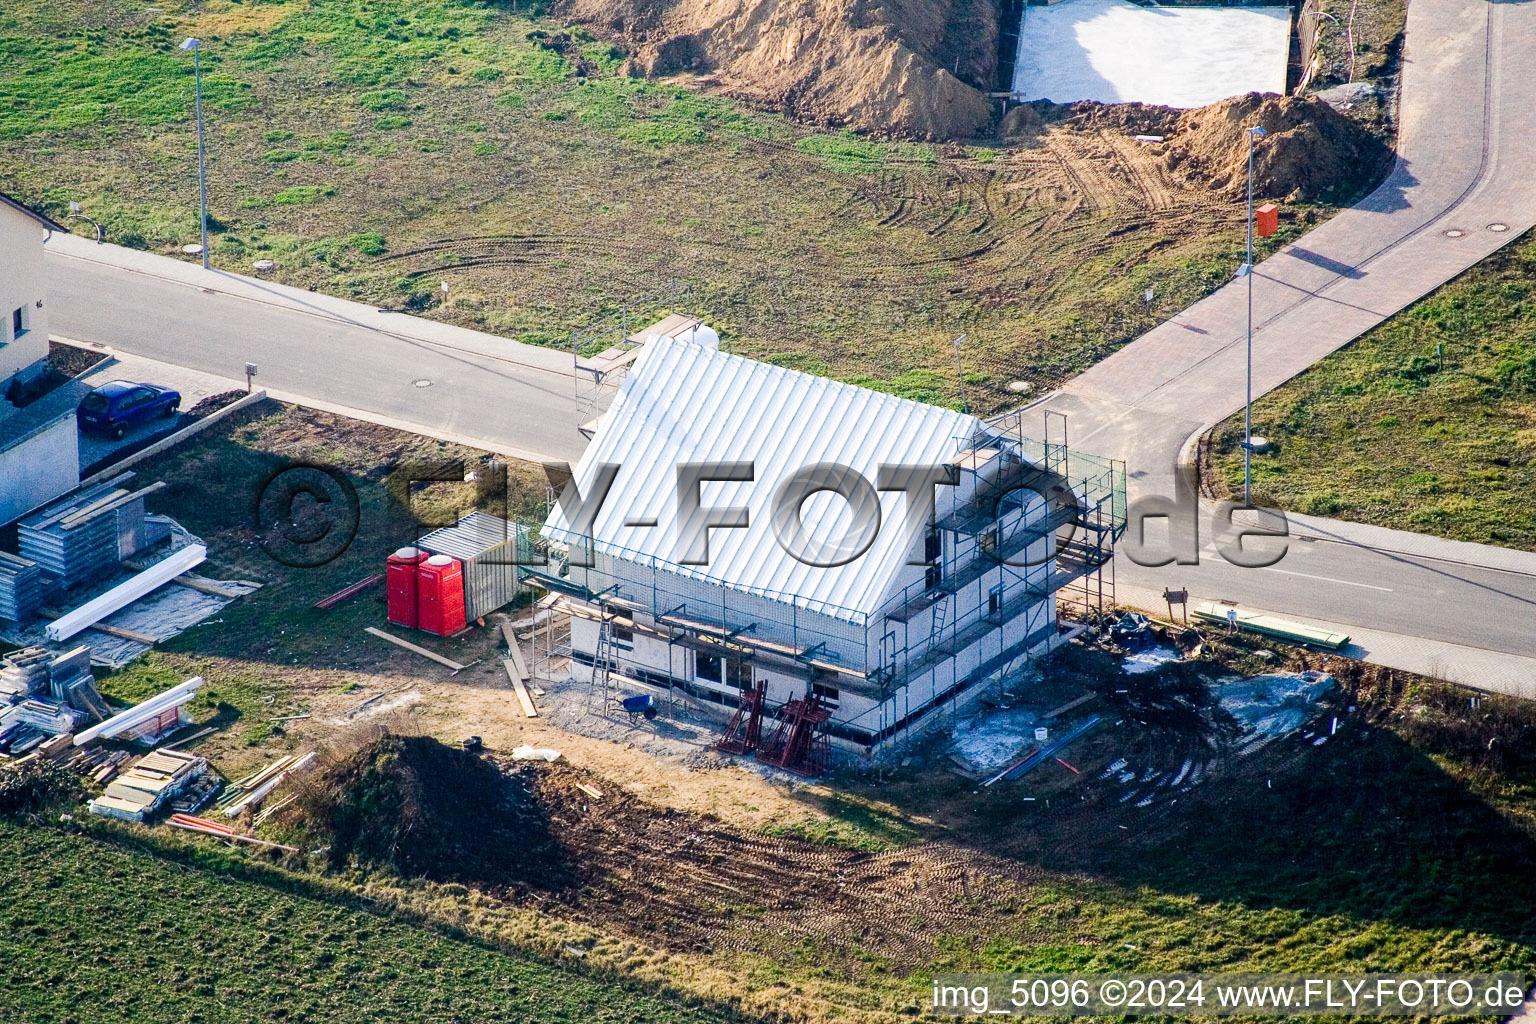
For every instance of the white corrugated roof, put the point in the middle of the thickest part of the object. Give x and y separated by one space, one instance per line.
686 403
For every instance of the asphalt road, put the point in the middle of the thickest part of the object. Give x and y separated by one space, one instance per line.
494 392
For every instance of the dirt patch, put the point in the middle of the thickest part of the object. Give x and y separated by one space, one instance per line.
911 67
213 403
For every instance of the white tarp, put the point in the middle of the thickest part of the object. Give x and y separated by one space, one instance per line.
1117 52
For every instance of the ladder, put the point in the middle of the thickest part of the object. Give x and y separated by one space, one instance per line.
600 659
940 618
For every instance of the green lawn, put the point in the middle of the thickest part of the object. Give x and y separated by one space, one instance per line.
1427 423
374 149
100 931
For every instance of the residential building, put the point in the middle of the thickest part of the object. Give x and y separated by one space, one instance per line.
917 615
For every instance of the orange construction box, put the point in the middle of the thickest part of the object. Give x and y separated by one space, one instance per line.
1266 220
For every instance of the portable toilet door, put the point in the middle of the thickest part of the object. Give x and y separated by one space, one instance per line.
441 607
400 573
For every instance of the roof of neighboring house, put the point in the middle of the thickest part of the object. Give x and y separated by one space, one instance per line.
42 218
32 419
684 402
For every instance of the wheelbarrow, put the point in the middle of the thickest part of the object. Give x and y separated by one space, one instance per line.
641 705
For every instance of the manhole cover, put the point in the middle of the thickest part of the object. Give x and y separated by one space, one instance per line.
1498 226
1453 233
422 382
1019 386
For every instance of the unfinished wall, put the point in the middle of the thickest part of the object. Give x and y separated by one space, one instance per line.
39 469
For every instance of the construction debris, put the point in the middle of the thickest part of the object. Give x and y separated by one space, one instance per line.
535 754
1041 755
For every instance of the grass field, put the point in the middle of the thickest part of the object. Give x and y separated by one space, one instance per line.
375 149
1427 423
102 930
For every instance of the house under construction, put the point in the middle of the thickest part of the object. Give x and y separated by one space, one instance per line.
863 654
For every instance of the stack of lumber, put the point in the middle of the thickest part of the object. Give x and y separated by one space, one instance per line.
98 763
24 672
249 792
154 780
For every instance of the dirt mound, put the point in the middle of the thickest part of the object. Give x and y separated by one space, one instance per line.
420 808
907 67
1311 151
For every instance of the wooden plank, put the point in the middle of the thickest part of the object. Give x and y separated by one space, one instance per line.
523 697
448 662
591 791
327 603
514 652
624 358
199 583
101 507
123 634
1069 705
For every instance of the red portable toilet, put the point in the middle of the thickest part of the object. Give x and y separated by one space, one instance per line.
400 570
440 599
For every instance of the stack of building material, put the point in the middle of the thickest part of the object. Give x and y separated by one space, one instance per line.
48 716
24 673
150 711
21 587
70 680
81 537
154 780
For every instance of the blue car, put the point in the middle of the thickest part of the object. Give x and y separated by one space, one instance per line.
120 404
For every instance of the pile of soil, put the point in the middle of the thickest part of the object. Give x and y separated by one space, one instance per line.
915 68
1311 151
420 808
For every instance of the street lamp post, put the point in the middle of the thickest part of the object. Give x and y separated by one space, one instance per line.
1253 133
202 172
